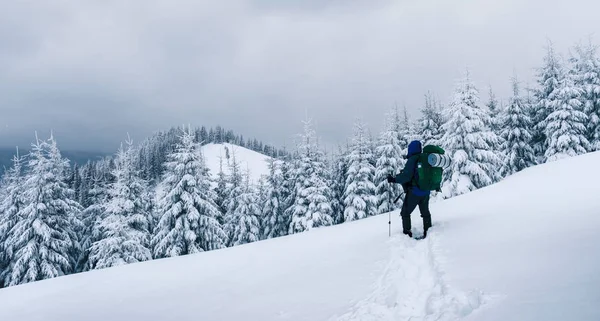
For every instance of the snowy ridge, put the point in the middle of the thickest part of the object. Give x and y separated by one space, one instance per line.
250 160
412 287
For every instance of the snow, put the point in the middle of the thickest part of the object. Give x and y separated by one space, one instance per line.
248 159
522 249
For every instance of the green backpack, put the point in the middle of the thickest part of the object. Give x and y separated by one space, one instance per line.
430 177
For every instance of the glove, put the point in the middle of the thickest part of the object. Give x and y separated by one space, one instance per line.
391 179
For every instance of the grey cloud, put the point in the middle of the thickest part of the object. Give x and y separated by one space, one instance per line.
93 71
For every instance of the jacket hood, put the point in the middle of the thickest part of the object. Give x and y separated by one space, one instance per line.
414 148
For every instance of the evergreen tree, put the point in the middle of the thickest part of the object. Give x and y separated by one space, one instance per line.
359 195
494 109
244 225
42 244
339 169
221 192
124 229
406 132
91 217
11 203
188 222
549 77
469 142
275 222
312 194
565 129
516 126
586 72
388 155
430 122
233 192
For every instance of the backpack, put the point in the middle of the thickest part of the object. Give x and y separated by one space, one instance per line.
430 168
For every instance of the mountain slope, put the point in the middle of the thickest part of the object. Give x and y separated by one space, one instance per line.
523 249
250 160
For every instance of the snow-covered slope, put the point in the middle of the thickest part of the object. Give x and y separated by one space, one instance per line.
527 248
248 159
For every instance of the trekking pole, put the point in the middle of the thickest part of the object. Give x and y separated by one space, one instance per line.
390 211
397 198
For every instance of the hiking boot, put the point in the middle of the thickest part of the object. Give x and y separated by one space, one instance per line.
409 233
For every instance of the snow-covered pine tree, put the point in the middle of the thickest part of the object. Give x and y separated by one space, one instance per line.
11 202
43 242
494 123
275 223
494 109
312 194
189 214
244 225
289 181
124 229
406 132
469 142
515 131
233 191
430 122
91 217
339 169
359 195
565 127
586 69
261 199
548 79
221 191
388 155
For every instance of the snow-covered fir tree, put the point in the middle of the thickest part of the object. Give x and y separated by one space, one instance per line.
275 223
548 79
565 127
244 223
42 244
359 194
337 181
261 199
221 191
11 202
586 72
389 156
124 229
189 214
406 132
232 193
429 125
312 206
494 109
516 133
469 142
91 217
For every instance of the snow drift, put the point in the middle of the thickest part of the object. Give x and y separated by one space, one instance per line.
524 249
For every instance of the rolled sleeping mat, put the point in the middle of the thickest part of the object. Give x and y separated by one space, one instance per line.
438 160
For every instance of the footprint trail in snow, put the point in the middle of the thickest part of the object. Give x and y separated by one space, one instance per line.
412 287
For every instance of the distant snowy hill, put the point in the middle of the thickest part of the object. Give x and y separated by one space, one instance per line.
248 159
524 249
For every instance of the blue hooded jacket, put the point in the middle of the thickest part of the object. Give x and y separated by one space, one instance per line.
409 174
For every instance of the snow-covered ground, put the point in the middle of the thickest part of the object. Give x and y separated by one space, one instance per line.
527 248
248 159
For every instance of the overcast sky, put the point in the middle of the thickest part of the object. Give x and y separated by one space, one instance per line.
94 70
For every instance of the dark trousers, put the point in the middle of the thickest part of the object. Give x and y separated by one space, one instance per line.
411 202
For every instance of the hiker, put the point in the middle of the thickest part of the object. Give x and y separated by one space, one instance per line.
409 179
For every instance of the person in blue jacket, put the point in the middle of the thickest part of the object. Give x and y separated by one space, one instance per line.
414 196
